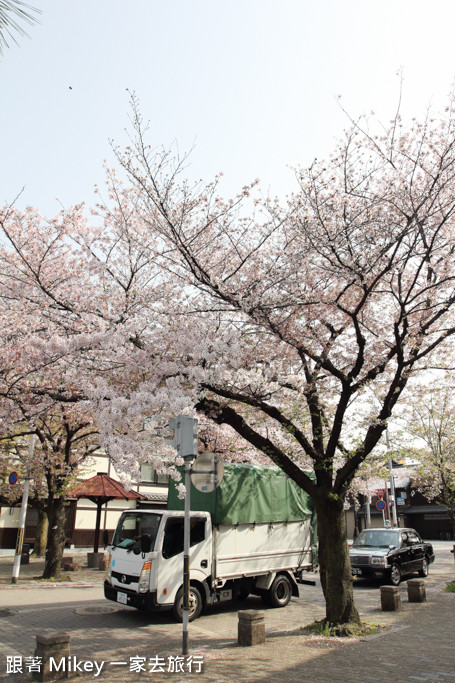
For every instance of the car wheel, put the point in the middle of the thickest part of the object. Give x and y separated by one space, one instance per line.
395 575
195 604
424 570
280 592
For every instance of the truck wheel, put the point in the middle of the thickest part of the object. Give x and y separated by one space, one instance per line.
395 575
279 592
195 605
424 571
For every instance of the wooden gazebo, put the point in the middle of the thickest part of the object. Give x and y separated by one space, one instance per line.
100 489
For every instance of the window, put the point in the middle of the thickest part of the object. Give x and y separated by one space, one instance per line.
150 475
413 538
132 525
173 535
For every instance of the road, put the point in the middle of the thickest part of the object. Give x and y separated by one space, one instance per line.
101 629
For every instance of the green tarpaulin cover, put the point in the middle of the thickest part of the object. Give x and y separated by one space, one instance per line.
249 493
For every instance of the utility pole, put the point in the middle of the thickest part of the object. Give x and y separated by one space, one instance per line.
23 514
392 483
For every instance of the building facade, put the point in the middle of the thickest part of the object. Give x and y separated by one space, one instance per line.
81 514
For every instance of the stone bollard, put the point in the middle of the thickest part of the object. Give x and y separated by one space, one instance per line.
251 627
54 649
102 565
93 559
416 590
390 599
70 567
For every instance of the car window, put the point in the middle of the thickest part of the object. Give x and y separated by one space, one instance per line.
173 535
405 539
413 537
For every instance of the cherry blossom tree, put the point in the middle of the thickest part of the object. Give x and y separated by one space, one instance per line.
274 320
288 313
13 14
430 422
67 292
65 436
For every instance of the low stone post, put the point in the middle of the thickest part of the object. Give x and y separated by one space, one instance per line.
68 564
54 649
416 590
93 559
251 627
390 599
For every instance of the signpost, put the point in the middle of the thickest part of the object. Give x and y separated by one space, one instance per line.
380 505
185 441
12 478
206 475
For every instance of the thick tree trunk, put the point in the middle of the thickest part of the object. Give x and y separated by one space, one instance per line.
335 568
55 538
39 547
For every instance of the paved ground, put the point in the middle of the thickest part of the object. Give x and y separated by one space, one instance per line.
419 645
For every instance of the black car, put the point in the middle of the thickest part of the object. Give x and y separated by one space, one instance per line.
389 554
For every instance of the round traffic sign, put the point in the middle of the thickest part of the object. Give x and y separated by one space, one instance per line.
380 505
12 478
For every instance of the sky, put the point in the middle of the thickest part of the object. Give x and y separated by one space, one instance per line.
250 86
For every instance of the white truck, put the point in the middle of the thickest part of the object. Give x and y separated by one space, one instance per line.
235 547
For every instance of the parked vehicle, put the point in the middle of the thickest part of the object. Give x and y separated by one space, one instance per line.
389 554
255 535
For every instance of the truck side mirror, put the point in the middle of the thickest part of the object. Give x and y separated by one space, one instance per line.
146 543
105 538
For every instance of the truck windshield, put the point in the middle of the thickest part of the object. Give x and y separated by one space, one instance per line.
132 525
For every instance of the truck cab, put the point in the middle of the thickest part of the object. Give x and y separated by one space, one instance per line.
152 580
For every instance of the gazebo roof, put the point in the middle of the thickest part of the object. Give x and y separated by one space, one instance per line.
101 488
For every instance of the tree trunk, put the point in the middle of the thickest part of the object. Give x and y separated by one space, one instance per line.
39 547
335 568
55 538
